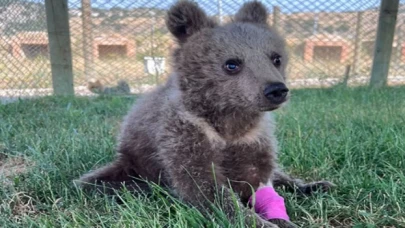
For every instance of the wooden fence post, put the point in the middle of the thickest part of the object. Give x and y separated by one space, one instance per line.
57 18
383 46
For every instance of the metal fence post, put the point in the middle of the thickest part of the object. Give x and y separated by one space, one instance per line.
383 46
357 43
88 49
276 16
57 18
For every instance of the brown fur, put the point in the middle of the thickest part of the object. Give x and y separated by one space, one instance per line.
95 86
206 128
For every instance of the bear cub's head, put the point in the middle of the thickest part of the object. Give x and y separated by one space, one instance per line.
224 68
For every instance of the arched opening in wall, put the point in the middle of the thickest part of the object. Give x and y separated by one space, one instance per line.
32 51
112 51
327 53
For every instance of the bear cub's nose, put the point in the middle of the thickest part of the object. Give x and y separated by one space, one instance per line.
276 92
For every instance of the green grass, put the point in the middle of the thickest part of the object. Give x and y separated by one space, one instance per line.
352 137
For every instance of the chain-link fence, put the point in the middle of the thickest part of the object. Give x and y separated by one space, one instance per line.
333 41
125 40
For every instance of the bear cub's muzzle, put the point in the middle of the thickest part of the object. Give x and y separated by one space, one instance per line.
276 93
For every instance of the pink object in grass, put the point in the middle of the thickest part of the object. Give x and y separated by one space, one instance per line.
269 204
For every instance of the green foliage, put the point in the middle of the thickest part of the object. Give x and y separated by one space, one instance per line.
32 18
342 28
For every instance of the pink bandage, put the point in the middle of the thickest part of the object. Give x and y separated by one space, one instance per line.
269 204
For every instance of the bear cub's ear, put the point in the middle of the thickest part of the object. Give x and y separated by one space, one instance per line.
185 18
252 12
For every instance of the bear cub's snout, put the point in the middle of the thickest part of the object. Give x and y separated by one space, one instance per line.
276 93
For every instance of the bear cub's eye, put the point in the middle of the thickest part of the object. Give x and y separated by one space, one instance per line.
276 59
233 66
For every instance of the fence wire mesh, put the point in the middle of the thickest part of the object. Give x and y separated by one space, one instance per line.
117 41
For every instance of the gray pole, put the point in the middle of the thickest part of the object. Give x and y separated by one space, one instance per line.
220 11
315 29
276 16
383 46
57 20
400 40
357 43
87 28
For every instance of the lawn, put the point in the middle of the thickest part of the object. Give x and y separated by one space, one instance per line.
352 137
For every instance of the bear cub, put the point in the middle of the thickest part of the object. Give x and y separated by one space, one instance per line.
210 125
